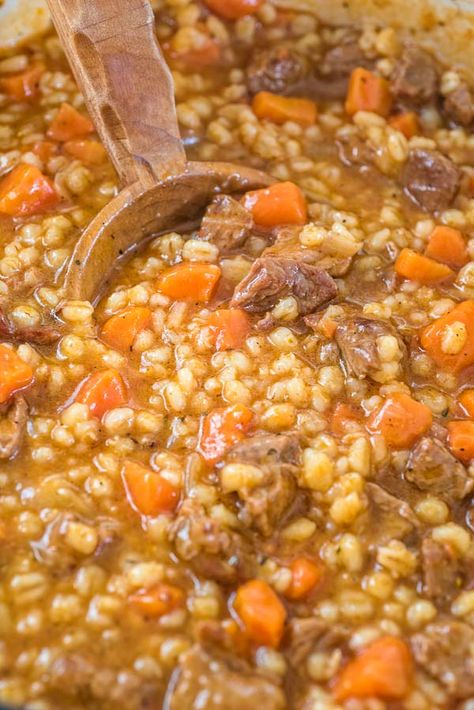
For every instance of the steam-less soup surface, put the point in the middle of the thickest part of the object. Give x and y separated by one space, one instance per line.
245 477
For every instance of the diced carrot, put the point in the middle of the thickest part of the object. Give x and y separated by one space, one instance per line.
280 109
282 203
120 330
466 400
384 669
407 123
342 417
15 373
206 55
148 492
261 612
416 267
461 439
401 420
158 601
368 92
102 391
25 191
432 338
233 9
44 150
306 575
87 151
69 124
24 86
222 429
448 246
229 328
190 281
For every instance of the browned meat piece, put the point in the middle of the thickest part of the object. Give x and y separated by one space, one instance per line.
40 335
415 78
13 427
213 552
331 82
213 682
311 634
276 70
271 278
263 507
459 105
445 650
431 467
441 571
356 337
430 179
226 224
354 150
387 518
287 244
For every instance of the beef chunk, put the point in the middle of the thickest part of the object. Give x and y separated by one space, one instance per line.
357 337
212 551
355 151
459 105
226 224
13 427
430 179
262 507
331 82
388 518
308 635
445 650
39 335
219 682
415 78
441 571
431 467
271 278
276 70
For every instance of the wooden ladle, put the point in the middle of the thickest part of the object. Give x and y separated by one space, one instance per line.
114 54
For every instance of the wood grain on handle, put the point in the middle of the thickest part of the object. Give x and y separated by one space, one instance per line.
113 51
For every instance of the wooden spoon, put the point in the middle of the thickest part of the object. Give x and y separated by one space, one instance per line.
114 54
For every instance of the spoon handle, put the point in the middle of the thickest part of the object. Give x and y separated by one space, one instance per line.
114 54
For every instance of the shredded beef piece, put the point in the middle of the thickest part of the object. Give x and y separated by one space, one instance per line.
354 150
387 518
276 70
220 682
13 427
227 223
415 78
445 650
441 571
430 179
287 245
459 105
308 635
357 337
263 506
40 335
271 278
212 551
334 70
431 467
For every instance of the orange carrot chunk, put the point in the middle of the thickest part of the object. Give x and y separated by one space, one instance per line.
158 601
437 338
306 575
416 267
261 612
24 86
343 416
233 9
44 150
190 281
384 669
461 439
222 429
368 92
15 373
448 246
229 328
87 151
401 420
102 391
280 109
120 330
407 123
26 191
282 203
148 492
466 400
68 124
